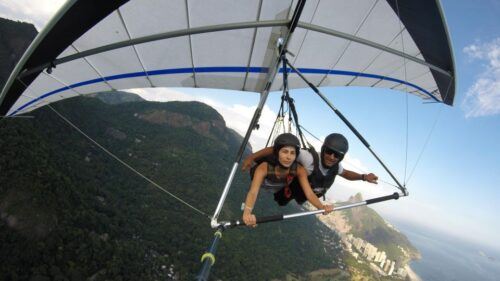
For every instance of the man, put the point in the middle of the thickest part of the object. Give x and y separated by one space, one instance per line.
321 169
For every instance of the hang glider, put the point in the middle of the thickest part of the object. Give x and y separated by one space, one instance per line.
93 46
96 46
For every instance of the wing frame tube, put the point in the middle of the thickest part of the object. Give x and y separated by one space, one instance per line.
32 47
271 74
208 258
155 37
243 145
234 26
280 217
372 44
52 40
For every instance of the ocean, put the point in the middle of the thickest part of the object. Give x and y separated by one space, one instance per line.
450 259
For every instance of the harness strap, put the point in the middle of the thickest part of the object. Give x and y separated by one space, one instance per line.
285 178
315 158
316 171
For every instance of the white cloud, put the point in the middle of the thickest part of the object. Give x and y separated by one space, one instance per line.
483 97
161 94
238 118
37 12
474 51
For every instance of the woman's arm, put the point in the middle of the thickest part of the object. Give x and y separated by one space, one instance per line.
306 188
257 180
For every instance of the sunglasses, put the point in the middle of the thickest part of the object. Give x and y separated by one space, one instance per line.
331 151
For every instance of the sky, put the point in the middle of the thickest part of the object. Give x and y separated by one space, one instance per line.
453 153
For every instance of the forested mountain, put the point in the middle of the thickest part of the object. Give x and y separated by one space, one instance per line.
69 211
15 37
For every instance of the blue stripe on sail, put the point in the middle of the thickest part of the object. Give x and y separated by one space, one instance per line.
223 69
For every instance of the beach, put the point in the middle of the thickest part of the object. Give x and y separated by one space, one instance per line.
413 276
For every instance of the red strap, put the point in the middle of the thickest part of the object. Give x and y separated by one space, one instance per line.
287 192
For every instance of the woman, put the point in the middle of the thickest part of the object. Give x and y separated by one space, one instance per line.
276 178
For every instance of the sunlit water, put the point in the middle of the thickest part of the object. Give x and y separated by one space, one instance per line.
449 259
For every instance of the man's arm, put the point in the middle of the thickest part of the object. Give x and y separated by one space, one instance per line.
353 176
247 163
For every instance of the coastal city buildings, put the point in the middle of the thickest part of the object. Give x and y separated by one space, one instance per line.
363 251
360 248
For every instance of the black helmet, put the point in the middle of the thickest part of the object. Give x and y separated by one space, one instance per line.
286 139
336 142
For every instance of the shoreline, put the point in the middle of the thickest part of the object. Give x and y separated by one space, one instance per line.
413 276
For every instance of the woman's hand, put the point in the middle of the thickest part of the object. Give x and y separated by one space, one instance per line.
328 209
249 219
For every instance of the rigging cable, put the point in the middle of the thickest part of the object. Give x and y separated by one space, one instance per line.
407 179
123 162
127 165
430 132
406 90
277 123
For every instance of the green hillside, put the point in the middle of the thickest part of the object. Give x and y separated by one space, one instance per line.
370 226
71 212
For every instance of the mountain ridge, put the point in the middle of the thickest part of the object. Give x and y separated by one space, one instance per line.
15 37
